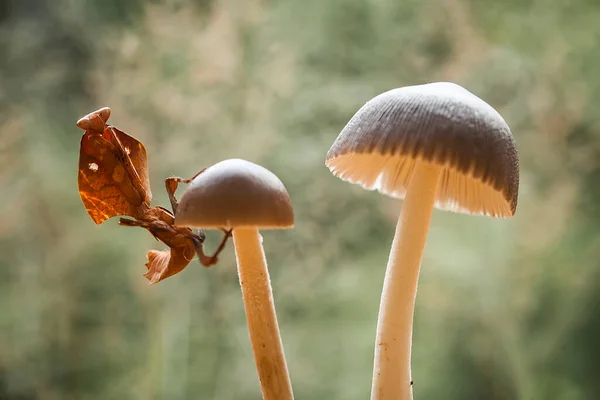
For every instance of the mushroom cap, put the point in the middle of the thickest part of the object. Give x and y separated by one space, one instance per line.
438 123
235 193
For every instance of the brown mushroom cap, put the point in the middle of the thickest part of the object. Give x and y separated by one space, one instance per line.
235 193
441 124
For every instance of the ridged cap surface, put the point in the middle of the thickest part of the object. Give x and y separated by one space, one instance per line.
235 193
439 123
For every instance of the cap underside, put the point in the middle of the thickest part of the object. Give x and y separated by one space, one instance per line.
390 174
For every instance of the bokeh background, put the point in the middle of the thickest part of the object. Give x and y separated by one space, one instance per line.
506 309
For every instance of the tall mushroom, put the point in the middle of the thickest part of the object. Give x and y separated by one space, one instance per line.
239 195
434 145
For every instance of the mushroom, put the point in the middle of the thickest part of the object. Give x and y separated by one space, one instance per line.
433 145
240 195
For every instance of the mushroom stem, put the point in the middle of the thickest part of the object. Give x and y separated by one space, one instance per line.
260 315
392 372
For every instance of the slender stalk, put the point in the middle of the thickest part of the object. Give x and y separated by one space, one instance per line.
260 315
392 372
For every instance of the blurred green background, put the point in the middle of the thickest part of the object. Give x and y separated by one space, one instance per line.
506 309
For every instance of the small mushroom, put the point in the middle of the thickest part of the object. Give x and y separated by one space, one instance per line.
434 145
240 195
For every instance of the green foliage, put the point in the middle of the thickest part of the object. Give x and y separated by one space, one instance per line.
506 309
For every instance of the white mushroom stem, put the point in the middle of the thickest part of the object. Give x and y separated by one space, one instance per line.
392 367
260 315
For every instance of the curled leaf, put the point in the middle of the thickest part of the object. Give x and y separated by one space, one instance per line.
166 263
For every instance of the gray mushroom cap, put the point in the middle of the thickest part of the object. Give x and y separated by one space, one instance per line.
235 193
438 123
